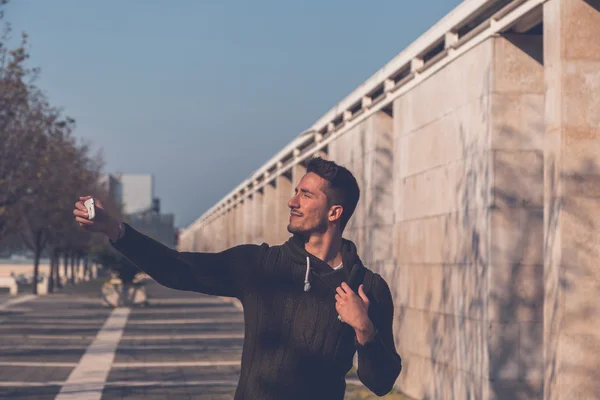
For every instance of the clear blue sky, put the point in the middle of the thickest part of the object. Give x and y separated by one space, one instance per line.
202 93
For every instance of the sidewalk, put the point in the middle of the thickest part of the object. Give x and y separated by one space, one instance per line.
183 346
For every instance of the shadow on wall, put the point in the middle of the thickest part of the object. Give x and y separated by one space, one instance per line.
379 207
508 351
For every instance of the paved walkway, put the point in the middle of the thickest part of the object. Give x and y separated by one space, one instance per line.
67 346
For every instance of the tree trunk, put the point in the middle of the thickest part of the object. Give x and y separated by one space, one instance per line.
36 261
51 275
66 265
72 269
57 280
86 268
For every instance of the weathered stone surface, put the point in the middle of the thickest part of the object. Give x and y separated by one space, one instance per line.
257 217
449 138
518 122
572 61
479 206
518 64
269 213
459 83
283 193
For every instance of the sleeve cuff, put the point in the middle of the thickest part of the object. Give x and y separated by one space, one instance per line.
120 239
368 344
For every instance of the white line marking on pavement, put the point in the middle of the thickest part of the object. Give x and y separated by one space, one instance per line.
83 346
127 383
193 301
185 321
37 364
17 300
30 384
63 325
51 337
207 310
87 380
176 364
173 383
202 336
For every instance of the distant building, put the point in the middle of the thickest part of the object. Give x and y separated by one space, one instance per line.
138 192
135 193
113 186
158 226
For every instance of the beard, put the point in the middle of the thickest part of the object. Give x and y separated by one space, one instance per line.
305 229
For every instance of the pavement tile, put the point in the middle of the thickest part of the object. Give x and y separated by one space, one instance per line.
33 393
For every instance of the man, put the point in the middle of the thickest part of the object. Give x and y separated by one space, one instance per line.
309 304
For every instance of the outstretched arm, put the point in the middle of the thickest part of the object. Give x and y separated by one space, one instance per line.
222 274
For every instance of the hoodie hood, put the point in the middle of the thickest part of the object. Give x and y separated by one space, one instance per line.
353 269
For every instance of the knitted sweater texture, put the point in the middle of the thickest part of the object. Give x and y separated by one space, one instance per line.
295 347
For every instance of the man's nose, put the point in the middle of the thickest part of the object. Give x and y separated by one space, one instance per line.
293 203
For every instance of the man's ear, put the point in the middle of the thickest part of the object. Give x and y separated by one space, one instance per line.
335 213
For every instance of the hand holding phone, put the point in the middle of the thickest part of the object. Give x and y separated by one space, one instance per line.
91 208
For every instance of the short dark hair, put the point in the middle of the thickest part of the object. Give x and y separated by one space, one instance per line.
343 189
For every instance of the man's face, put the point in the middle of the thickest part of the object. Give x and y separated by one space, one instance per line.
308 206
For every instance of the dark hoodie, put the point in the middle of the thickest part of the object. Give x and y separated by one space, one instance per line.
295 347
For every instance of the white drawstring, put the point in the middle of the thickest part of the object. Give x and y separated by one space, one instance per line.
306 282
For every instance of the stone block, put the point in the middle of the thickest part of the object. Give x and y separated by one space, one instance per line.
462 81
518 179
518 121
470 386
518 64
580 25
531 351
258 218
581 237
269 213
427 287
378 205
580 161
357 236
445 239
503 348
454 187
436 338
283 194
379 170
389 272
380 133
579 375
580 99
248 236
416 377
517 236
471 350
452 137
350 145
521 389
516 293
378 242
469 290
298 171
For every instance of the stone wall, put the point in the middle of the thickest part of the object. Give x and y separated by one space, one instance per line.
479 199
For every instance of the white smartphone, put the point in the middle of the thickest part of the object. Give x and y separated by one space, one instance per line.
91 209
